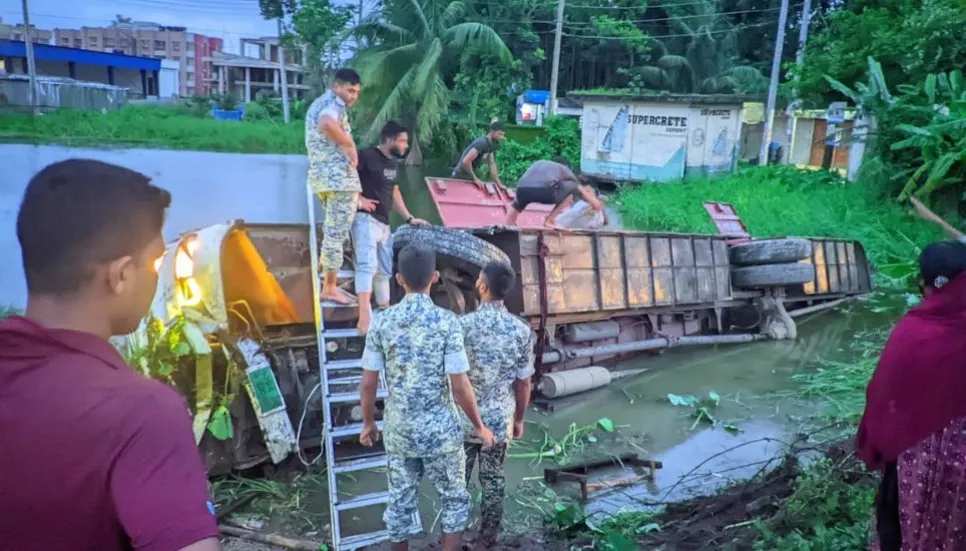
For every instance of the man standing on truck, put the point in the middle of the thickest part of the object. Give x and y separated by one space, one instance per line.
89 444
332 174
481 149
550 183
420 347
499 346
371 235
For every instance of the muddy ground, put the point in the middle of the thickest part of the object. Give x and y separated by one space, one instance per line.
724 521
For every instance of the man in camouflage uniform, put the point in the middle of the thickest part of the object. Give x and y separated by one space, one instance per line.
332 173
499 346
420 347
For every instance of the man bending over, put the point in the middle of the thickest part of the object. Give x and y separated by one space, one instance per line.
550 183
420 347
481 149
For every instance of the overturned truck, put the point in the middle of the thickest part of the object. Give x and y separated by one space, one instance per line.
244 294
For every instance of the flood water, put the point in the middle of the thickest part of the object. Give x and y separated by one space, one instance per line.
212 187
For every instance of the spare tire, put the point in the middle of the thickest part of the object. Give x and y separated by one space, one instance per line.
457 245
772 275
770 251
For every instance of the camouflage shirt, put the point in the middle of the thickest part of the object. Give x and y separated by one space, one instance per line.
419 345
329 168
499 346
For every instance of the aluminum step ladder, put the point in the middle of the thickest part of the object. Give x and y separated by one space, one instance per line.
339 380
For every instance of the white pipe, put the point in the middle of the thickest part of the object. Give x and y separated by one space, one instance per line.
660 342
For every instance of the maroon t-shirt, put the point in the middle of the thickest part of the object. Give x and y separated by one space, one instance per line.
93 456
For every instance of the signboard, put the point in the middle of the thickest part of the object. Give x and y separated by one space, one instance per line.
835 114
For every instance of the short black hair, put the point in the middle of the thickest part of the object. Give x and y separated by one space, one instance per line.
78 213
945 259
392 129
417 264
561 160
347 76
497 126
500 278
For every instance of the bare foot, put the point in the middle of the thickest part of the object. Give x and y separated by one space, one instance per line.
337 296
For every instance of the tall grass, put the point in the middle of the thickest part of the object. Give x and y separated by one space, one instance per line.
785 201
167 127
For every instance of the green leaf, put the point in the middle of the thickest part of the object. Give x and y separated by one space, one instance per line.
220 425
648 528
733 429
181 349
682 401
606 424
714 397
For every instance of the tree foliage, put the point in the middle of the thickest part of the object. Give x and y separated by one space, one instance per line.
910 38
416 48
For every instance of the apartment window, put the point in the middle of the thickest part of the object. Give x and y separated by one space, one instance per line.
175 46
189 46
160 45
191 91
125 43
78 43
190 79
108 42
65 41
176 58
92 41
17 36
145 44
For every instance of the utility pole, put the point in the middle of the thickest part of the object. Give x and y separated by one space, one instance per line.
281 69
31 65
803 31
776 63
555 68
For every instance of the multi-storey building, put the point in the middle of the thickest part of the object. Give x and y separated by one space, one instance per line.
259 69
192 51
16 32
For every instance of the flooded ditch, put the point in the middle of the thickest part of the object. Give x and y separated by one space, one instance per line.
758 414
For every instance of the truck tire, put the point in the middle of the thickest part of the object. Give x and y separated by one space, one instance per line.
772 275
770 251
455 244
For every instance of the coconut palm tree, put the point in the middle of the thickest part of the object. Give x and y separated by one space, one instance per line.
700 55
415 44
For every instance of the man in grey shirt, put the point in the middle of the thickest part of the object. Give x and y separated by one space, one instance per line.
550 183
481 149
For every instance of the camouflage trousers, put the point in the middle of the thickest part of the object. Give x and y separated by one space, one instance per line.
339 208
445 471
493 484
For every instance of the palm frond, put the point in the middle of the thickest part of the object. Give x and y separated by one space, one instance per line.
427 68
451 14
392 106
421 15
463 35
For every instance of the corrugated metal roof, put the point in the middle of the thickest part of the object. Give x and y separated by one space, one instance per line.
46 52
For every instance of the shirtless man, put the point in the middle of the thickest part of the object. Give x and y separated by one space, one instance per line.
550 183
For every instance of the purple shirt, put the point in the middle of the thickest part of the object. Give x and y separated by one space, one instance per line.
93 456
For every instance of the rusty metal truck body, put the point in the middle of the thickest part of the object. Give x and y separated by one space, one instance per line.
592 297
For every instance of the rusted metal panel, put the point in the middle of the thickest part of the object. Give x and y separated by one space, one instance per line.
729 224
840 268
462 204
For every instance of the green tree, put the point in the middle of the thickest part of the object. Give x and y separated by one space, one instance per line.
910 38
416 45
310 23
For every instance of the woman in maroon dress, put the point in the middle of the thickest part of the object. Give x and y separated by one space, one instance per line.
914 425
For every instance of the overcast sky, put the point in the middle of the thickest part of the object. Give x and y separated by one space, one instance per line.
230 20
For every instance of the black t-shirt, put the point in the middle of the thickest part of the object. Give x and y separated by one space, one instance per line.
378 176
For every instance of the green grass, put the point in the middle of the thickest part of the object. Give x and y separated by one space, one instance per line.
153 126
785 201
